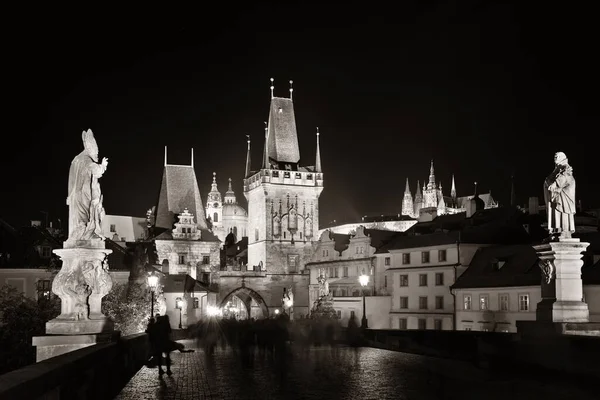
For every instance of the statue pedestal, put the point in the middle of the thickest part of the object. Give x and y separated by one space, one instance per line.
562 310
562 287
81 284
54 345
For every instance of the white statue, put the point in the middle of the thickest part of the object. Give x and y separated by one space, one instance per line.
84 195
559 196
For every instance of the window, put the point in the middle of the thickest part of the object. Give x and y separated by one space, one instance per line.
205 277
523 302
441 255
196 302
113 228
403 302
336 272
503 302
403 280
385 281
325 253
181 259
439 302
339 314
284 235
439 279
46 251
352 314
286 174
205 260
298 175
437 324
44 289
402 323
484 302
423 302
300 235
422 279
406 258
345 272
388 261
467 328
425 257
256 234
422 323
467 302
293 262
215 217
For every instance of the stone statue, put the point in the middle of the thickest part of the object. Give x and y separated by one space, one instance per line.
323 283
559 196
84 196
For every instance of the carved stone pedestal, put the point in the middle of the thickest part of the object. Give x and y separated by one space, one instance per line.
81 284
562 287
54 345
562 310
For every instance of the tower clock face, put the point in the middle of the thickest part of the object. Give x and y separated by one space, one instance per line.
216 205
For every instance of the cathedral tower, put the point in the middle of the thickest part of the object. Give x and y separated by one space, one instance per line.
214 204
430 193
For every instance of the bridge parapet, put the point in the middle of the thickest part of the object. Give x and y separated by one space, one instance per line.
95 372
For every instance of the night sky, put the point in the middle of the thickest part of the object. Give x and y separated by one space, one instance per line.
485 89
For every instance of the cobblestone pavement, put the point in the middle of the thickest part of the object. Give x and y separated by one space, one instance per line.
338 373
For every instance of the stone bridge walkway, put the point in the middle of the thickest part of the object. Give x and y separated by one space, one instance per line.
339 373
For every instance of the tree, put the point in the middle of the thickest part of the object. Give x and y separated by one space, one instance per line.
22 318
128 305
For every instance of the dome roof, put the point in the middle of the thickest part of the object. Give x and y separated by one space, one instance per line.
231 210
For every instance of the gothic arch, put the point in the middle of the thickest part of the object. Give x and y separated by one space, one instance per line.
245 293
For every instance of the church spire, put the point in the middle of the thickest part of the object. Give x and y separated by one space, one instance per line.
213 187
431 184
408 207
318 155
214 195
230 195
248 167
406 188
453 189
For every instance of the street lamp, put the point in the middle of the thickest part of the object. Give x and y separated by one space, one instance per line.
179 305
364 281
152 284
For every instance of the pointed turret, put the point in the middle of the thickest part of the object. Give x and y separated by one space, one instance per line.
407 202
453 192
418 203
248 164
318 155
230 195
431 184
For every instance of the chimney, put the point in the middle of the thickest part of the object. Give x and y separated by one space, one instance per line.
534 205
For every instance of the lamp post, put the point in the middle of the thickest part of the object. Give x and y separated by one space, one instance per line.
180 306
364 281
152 284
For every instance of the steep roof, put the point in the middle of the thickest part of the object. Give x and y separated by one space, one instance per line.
378 238
282 137
179 190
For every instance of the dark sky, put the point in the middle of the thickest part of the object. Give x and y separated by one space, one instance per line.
485 89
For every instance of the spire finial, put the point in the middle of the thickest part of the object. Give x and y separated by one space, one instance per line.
317 131
230 189
291 89
214 177
192 157
248 167
266 151
318 154
475 194
272 86
165 156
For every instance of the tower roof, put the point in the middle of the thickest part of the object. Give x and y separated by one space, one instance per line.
214 194
282 138
230 194
179 190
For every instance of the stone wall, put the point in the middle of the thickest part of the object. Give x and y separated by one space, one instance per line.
568 354
95 372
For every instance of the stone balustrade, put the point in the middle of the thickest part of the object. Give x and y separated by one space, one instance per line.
95 372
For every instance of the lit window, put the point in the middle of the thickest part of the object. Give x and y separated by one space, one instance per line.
44 289
484 302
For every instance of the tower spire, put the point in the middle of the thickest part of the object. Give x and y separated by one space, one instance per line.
229 189
475 194
192 157
165 156
291 90
318 155
272 87
213 187
248 165
266 157
408 207
453 189
406 188
431 184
